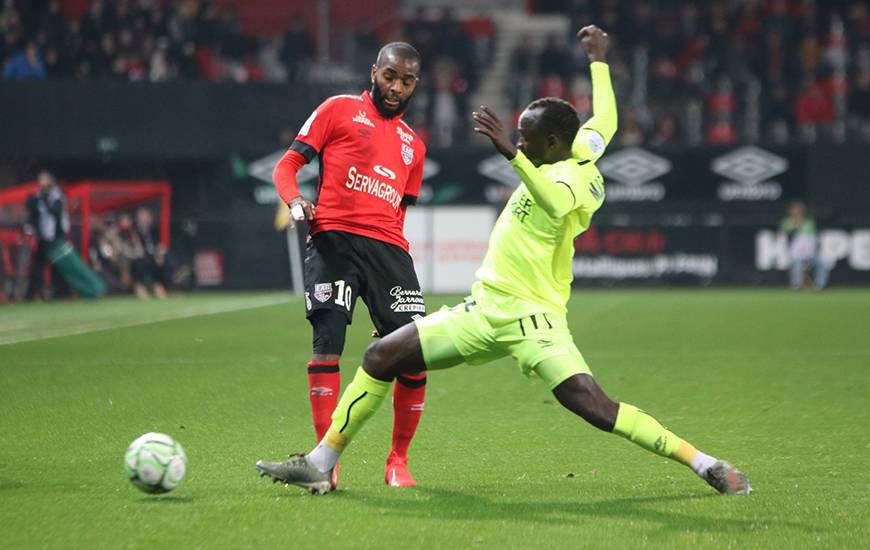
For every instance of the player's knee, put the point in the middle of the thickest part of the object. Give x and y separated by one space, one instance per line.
376 361
329 328
582 395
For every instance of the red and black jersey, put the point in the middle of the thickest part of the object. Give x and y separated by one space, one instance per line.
371 167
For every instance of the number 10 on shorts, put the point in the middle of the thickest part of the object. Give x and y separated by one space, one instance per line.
343 294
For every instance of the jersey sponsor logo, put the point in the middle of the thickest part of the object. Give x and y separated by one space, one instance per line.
373 186
407 154
521 206
407 300
307 126
406 137
323 292
384 171
748 168
363 119
635 169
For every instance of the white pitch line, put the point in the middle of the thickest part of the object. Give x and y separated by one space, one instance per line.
194 311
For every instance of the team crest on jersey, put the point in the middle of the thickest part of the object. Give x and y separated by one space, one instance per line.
407 154
323 292
363 119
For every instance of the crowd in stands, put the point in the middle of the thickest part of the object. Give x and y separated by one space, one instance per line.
716 72
453 53
126 39
152 40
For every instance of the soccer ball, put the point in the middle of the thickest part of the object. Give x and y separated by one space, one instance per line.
155 463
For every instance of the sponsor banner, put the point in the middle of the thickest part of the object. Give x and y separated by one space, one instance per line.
845 250
679 255
635 175
706 255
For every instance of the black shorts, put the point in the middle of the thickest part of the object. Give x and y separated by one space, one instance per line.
340 266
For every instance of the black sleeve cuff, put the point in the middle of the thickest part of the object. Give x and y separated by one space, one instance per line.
304 149
409 200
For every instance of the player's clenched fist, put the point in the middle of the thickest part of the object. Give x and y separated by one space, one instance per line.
594 41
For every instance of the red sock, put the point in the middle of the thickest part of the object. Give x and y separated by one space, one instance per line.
324 384
408 397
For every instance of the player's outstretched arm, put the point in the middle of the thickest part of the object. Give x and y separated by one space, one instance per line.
596 133
557 198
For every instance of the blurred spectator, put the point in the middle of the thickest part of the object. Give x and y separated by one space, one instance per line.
814 110
554 59
630 132
141 254
803 248
131 253
48 221
446 115
297 50
721 131
25 65
665 132
521 74
150 268
106 254
859 104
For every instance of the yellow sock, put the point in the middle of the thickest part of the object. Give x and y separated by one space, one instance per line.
685 453
644 430
358 403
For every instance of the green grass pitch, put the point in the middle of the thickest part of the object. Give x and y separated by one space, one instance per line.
774 381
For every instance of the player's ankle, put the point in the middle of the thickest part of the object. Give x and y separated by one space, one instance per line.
701 463
323 457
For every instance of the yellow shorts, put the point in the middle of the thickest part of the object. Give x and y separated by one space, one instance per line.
475 334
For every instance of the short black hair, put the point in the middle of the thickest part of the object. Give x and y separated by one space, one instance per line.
558 117
402 49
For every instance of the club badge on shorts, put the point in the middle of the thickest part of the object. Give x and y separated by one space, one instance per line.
407 154
323 292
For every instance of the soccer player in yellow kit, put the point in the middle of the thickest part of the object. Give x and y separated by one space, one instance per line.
518 305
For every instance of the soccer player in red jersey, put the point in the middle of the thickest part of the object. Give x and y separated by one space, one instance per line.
371 168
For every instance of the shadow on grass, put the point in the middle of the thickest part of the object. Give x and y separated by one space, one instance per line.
448 504
165 500
6 484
